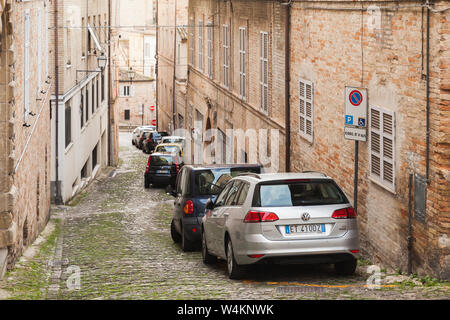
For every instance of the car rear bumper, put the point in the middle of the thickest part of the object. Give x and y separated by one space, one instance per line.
288 251
160 179
192 229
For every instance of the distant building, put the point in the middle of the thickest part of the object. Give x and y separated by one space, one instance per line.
25 144
136 100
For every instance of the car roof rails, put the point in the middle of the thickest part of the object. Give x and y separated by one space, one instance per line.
312 171
249 174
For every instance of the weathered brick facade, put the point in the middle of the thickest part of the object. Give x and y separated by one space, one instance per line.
25 145
238 103
378 46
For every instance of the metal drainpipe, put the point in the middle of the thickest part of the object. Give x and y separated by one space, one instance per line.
110 138
58 199
174 109
157 68
427 160
288 85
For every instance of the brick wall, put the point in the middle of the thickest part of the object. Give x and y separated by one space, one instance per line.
337 48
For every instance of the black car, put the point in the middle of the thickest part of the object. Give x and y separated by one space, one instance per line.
142 138
162 169
194 186
151 141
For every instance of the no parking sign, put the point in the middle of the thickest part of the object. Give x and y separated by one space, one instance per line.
355 107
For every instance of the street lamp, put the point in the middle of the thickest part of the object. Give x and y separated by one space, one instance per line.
102 60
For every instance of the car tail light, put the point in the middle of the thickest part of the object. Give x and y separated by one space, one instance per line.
345 213
255 256
148 164
354 251
260 216
177 167
189 207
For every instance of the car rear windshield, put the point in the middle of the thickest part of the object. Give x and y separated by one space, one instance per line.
298 193
173 140
161 160
167 149
212 181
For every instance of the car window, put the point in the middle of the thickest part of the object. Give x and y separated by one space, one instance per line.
242 194
221 197
181 182
161 160
167 149
211 181
299 193
231 197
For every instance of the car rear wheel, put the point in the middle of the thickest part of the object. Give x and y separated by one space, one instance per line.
146 183
176 237
345 268
207 257
235 271
186 245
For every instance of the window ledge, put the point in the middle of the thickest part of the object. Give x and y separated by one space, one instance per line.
378 183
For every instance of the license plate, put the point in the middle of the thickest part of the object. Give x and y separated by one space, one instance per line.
162 171
305 228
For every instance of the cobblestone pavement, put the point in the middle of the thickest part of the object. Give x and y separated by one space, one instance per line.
113 242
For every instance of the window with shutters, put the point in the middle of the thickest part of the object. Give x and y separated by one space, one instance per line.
243 63
382 149
209 40
26 71
200 45
226 55
191 41
264 71
306 109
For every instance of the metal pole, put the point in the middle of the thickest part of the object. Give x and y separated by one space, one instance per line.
355 181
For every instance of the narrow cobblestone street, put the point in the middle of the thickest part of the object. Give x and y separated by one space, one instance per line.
116 234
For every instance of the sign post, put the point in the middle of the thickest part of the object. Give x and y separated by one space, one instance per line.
355 127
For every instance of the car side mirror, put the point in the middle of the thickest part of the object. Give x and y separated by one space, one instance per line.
209 204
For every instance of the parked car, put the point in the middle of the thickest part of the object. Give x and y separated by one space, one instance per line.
174 139
280 218
162 169
164 133
194 186
151 141
170 147
142 137
137 132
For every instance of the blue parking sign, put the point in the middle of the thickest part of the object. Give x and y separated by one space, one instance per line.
361 122
348 119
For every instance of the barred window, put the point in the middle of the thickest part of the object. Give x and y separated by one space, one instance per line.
264 71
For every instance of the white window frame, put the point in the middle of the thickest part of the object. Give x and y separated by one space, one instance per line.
264 71
243 63
383 149
226 55
210 48
126 90
27 56
200 45
306 109
191 42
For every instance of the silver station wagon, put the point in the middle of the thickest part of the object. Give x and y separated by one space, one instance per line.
285 218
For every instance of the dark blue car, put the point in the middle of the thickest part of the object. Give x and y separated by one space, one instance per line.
195 184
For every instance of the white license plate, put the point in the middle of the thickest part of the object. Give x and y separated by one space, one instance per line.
162 171
305 228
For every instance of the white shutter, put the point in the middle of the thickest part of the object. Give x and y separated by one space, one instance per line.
200 45
226 55
242 62
306 109
382 148
131 91
191 42
210 49
264 71
26 73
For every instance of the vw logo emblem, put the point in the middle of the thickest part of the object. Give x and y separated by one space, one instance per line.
306 216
